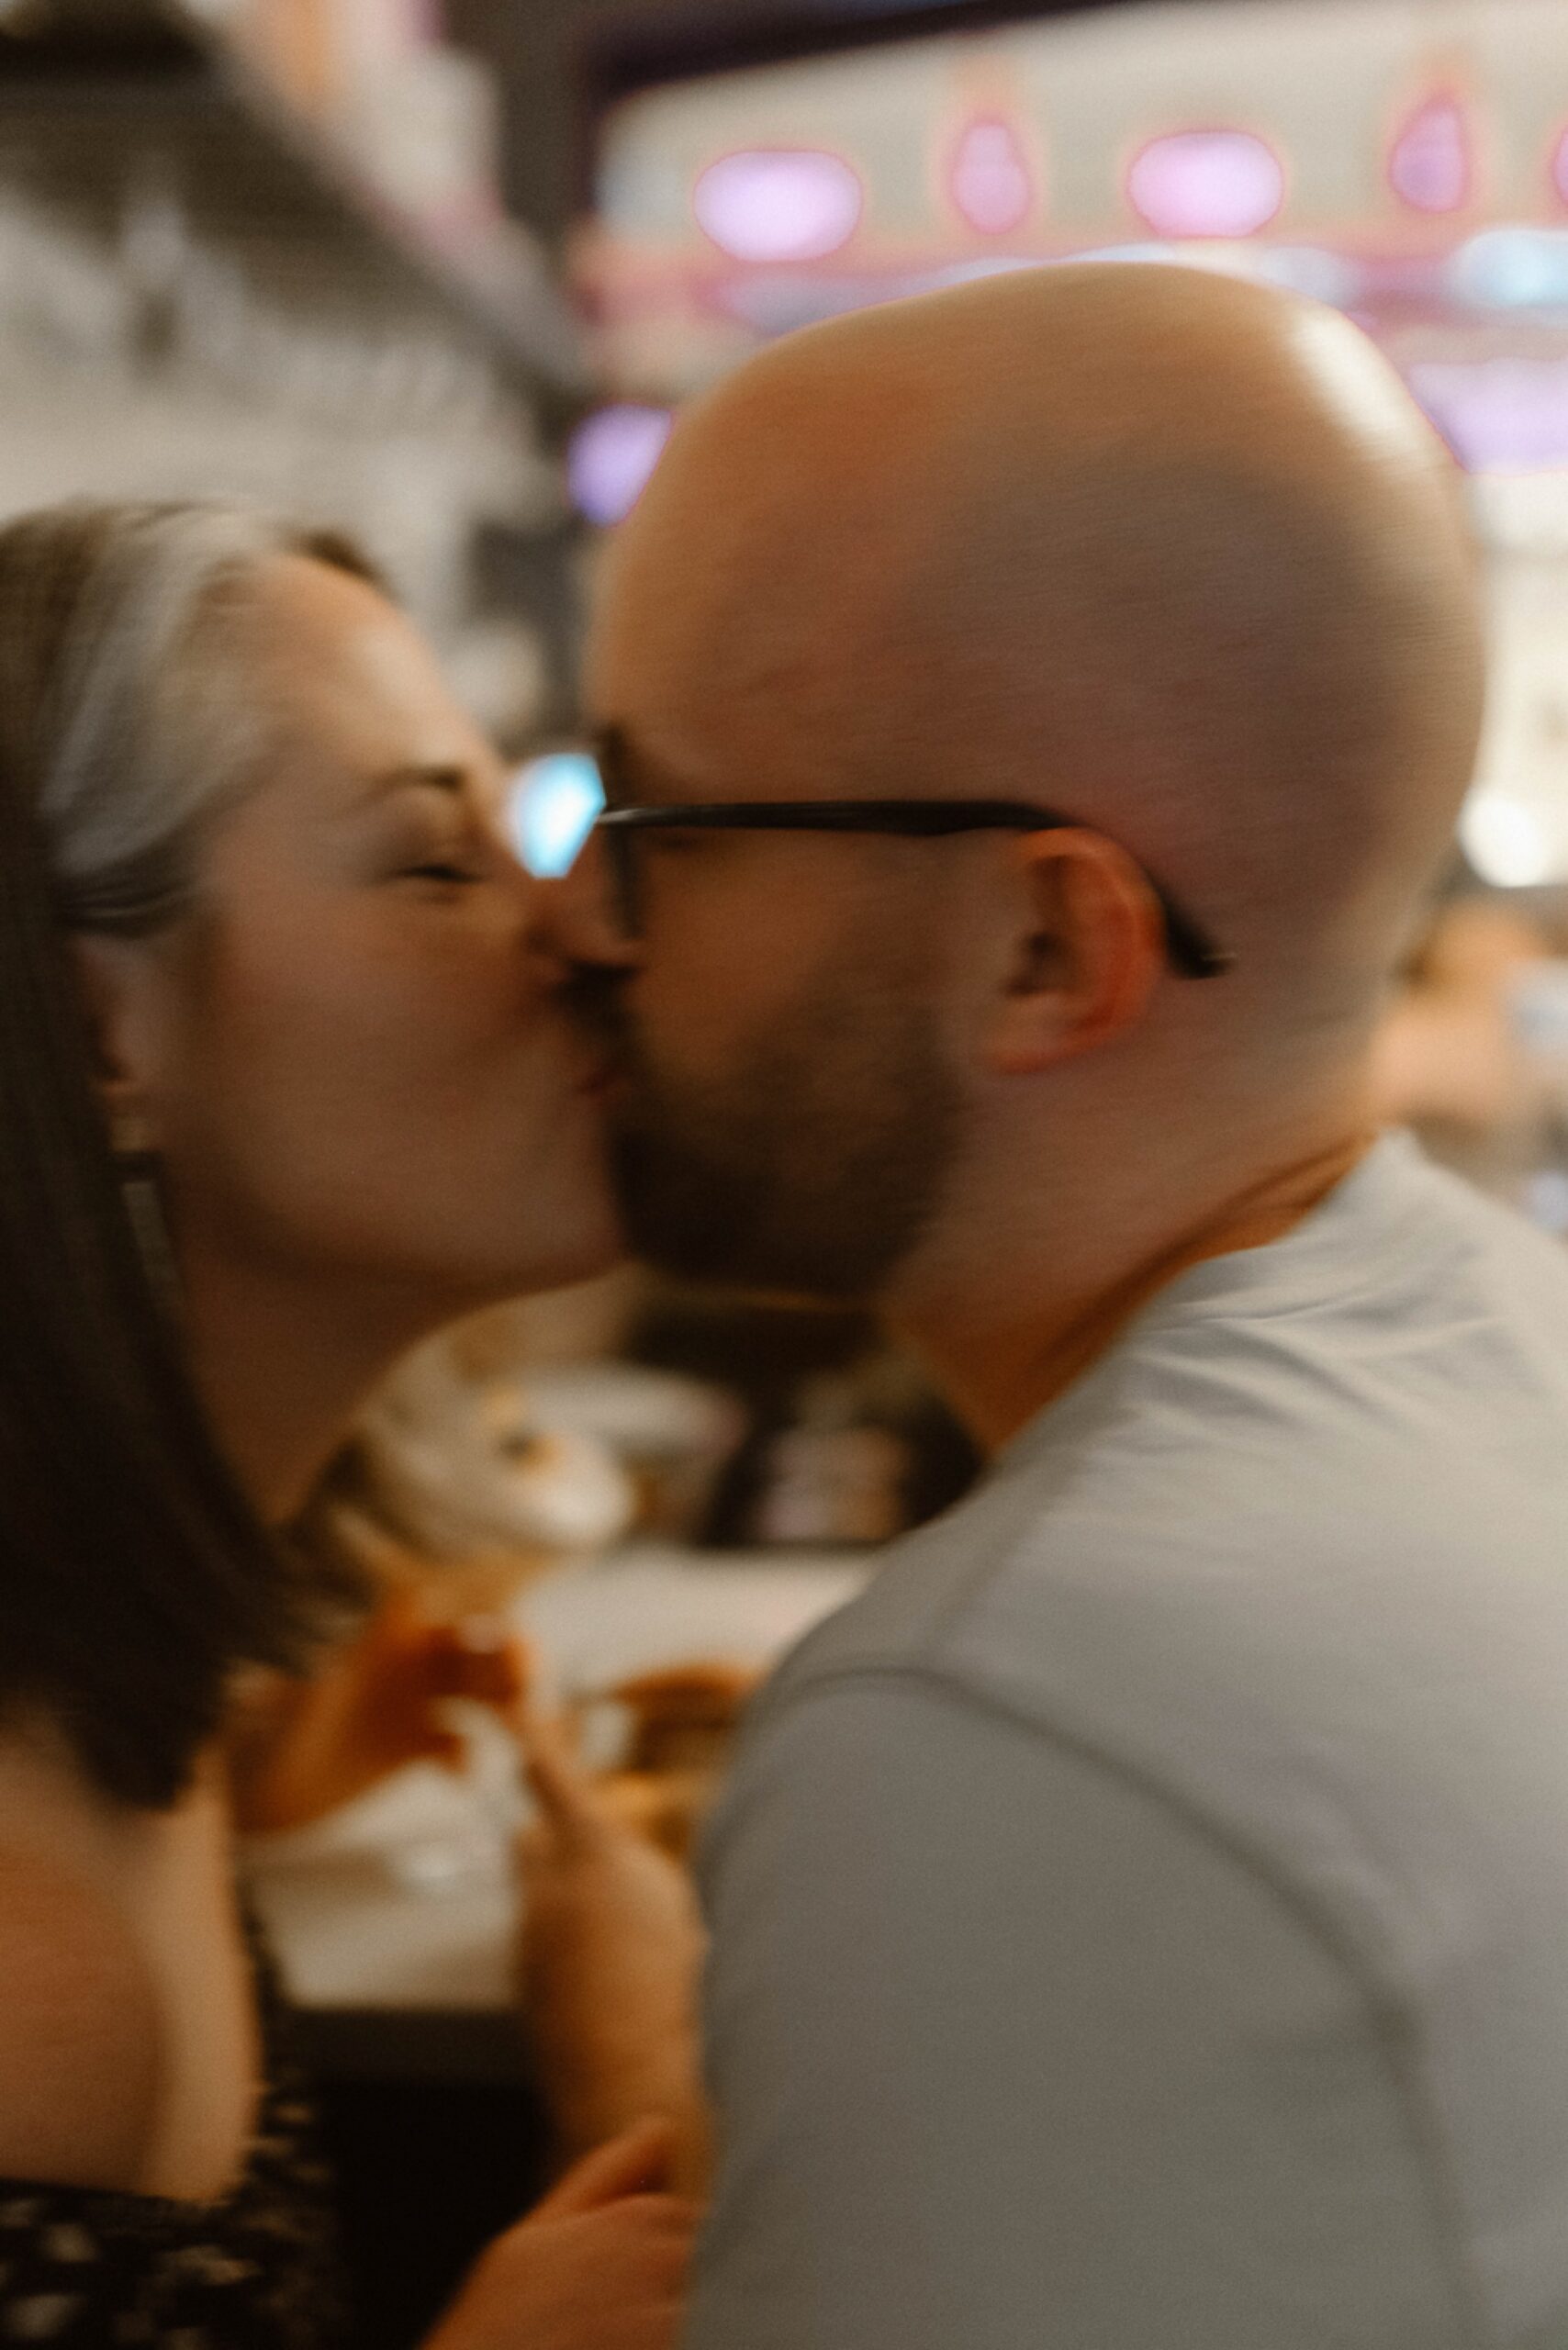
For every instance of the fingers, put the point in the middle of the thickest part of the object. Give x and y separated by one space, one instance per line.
700 1691
565 1799
609 2279
640 2162
480 1658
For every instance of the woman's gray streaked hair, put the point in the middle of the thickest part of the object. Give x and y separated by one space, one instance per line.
149 731
135 1578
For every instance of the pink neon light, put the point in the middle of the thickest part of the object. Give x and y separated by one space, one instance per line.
1510 415
1559 167
1429 166
991 183
780 204
611 460
1206 183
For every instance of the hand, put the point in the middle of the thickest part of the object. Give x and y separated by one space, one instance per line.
612 1952
309 1746
600 2265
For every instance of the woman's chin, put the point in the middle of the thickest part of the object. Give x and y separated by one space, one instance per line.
588 1250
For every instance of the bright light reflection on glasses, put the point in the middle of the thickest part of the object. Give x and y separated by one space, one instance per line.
553 807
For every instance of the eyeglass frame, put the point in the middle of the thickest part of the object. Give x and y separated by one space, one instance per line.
1189 950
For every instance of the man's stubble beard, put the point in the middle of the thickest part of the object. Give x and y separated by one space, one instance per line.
811 1169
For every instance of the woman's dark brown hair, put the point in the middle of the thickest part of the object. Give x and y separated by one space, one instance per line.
134 1577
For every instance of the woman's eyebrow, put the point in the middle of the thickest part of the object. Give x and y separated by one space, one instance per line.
455 781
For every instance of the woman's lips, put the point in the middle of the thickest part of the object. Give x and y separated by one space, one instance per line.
602 1080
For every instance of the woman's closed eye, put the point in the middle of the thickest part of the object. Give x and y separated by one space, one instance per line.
453 857
437 836
444 869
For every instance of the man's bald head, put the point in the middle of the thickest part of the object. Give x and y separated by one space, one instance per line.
1167 554
1172 553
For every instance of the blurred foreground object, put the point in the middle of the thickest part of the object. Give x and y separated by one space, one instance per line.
1538 1004
450 1486
298 1749
1474 1055
845 1443
446 1503
677 1728
1448 1057
673 1436
359 1929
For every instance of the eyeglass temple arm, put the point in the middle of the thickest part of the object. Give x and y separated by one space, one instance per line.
1192 951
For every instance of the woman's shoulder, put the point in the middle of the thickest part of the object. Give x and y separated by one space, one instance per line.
79 2023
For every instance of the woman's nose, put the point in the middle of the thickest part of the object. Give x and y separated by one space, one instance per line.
575 920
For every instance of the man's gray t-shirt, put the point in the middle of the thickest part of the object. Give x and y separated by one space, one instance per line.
1141 1920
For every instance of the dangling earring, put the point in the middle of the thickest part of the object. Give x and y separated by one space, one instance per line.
141 1171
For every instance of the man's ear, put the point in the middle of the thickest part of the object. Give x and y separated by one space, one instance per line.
118 986
1087 958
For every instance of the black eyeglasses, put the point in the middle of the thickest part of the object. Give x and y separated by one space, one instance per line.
1192 952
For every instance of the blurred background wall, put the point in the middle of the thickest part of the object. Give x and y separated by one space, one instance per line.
262 250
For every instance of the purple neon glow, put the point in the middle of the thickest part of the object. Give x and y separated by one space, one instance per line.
611 460
1498 415
1429 164
1206 183
991 183
780 204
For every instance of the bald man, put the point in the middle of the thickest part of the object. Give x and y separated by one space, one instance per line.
1034 716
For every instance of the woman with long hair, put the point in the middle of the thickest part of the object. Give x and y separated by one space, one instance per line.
284 1085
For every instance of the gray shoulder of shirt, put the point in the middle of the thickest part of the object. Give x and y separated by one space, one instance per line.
1313 1621
1237 1490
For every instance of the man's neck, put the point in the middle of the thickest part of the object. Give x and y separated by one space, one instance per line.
1004 1350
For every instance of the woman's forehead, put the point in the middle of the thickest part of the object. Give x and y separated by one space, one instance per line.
352 680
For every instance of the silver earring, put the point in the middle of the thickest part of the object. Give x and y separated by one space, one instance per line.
140 1176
